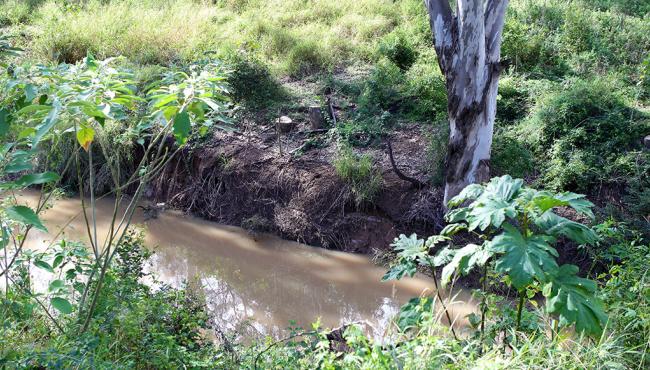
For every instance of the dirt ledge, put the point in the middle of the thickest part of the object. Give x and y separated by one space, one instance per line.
242 179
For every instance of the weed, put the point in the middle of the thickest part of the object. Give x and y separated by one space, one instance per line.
252 84
586 131
359 172
398 49
510 156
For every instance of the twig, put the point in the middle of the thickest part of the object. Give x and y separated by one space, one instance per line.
417 183
444 307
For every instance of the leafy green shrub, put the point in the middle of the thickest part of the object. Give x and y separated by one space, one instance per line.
552 38
134 326
627 289
629 7
14 12
511 156
517 227
585 133
306 57
425 90
436 153
359 172
6 48
397 48
512 100
529 48
252 84
381 91
364 130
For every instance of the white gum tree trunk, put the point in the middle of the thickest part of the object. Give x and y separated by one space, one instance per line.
468 44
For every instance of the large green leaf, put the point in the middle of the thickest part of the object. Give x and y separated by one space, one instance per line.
470 192
490 212
36 178
410 250
409 247
453 229
4 122
44 265
182 127
457 215
504 188
556 225
545 201
523 258
578 202
400 269
412 313
442 257
50 120
62 305
464 260
24 215
572 299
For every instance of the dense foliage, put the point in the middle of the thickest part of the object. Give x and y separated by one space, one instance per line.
572 115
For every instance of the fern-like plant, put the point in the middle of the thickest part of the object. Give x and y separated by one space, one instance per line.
518 227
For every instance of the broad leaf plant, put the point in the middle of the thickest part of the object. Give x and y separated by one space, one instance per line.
40 104
518 228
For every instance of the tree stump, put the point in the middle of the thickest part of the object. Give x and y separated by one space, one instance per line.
315 118
285 124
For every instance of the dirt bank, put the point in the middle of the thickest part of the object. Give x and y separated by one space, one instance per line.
245 179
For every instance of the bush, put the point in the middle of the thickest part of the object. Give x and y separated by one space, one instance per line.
530 48
585 131
425 90
512 100
306 57
134 326
359 172
13 12
437 152
629 7
382 89
510 156
252 84
397 48
626 290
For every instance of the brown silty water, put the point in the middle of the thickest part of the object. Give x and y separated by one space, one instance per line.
257 283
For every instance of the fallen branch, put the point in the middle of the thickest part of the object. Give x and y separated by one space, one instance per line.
417 183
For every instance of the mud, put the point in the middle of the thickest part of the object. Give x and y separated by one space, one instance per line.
252 179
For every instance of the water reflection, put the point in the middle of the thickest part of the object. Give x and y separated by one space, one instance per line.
260 283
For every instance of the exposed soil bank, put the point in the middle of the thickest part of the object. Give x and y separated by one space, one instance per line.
244 179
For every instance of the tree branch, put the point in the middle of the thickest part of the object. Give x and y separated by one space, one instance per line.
440 19
495 14
417 183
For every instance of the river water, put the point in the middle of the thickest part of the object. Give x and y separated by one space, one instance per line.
255 283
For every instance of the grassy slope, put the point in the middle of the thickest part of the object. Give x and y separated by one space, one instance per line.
376 56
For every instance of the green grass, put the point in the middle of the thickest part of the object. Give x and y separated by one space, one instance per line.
360 173
294 37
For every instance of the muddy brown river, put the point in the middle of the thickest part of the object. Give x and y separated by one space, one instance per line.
257 284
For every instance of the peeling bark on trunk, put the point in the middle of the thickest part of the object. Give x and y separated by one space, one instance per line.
468 45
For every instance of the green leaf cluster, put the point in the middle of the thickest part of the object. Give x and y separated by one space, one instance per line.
519 227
